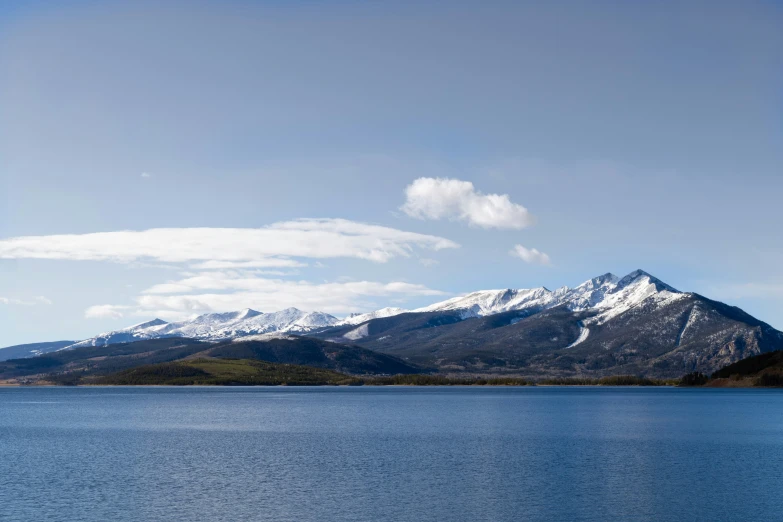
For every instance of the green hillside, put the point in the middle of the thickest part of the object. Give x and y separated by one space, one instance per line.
224 372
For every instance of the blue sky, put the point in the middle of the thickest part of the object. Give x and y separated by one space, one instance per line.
633 135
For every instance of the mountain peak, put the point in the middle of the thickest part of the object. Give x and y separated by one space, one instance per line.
638 274
247 313
605 278
147 324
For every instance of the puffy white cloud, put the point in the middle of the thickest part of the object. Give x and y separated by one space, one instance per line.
268 246
530 255
443 198
233 290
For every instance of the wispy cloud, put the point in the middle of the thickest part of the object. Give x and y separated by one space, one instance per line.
271 262
233 290
268 246
146 175
443 198
37 300
530 255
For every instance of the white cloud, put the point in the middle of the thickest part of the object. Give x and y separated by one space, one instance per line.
233 290
106 312
429 263
26 302
443 198
530 255
314 238
146 175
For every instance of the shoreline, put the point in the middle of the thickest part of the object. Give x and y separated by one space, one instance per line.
717 386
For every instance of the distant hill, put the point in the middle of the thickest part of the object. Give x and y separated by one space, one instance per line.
75 364
99 360
31 350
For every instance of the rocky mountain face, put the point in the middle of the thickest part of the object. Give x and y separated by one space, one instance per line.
608 325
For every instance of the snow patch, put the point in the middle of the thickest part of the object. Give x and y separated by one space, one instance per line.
264 337
583 333
358 333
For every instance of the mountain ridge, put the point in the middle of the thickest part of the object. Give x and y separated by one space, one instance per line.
635 324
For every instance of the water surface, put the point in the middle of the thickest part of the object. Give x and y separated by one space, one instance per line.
402 454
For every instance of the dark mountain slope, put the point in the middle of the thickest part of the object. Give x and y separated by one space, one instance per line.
479 343
690 334
753 365
313 352
665 340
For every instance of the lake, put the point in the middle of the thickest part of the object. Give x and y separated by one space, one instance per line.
394 453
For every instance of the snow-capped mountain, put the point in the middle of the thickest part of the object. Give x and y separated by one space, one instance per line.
607 293
217 326
634 325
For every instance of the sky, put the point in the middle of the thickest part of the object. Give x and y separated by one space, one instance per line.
165 159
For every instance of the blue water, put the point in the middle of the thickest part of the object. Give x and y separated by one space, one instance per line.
401 454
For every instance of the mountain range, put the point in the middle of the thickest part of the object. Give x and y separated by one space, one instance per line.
636 324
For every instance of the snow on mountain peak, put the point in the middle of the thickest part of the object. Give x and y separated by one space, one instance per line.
217 326
248 312
488 302
357 318
601 292
631 291
315 320
641 275
147 324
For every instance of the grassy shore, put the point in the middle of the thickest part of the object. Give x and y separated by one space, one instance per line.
247 372
251 372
